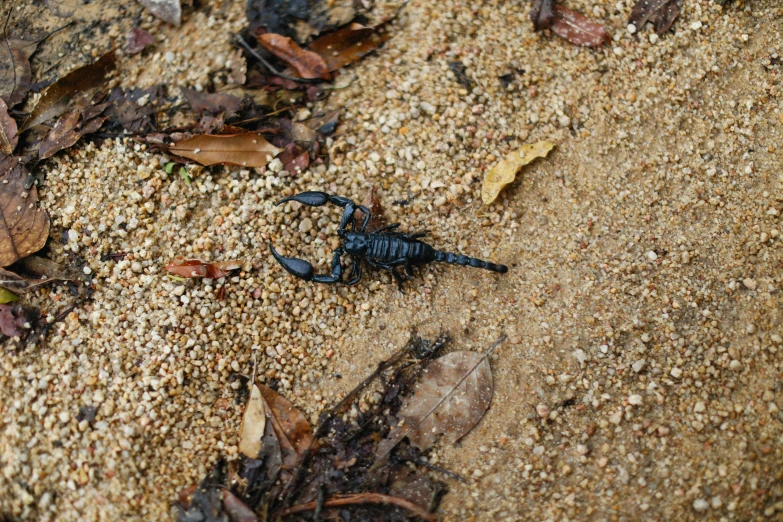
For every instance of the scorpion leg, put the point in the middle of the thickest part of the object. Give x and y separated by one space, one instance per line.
386 229
356 272
416 235
337 270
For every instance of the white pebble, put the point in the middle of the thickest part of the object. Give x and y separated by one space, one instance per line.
696 25
700 504
676 372
631 29
638 365
635 400
652 256
306 225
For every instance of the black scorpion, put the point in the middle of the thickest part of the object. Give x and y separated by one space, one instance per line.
382 248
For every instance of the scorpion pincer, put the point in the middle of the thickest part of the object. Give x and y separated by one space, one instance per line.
382 248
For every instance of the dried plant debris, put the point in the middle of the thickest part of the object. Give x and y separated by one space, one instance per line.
506 170
299 19
25 227
137 40
134 110
661 13
72 89
14 321
15 74
194 268
347 45
70 127
578 29
213 103
8 135
371 201
245 150
167 10
307 64
542 14
458 68
19 284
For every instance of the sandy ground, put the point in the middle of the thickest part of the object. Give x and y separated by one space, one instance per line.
641 379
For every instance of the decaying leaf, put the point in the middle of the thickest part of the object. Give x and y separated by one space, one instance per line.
299 19
236 509
214 103
506 170
7 296
244 150
15 74
8 135
661 13
134 109
17 283
47 270
578 29
137 40
167 10
24 227
70 127
372 202
542 14
293 431
449 400
307 64
347 45
193 268
12 320
251 432
70 90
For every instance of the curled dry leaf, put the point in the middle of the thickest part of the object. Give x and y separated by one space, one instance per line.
70 89
70 128
372 202
347 45
214 103
244 150
193 268
293 431
17 283
578 29
12 320
306 63
542 14
451 397
167 10
236 509
506 170
15 74
24 227
137 40
661 13
8 136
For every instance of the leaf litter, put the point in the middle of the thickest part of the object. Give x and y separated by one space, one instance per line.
194 268
244 150
567 23
506 170
15 72
25 226
337 465
661 13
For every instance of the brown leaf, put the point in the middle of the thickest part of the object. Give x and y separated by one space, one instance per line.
129 111
577 28
661 13
211 102
48 269
244 150
306 63
236 509
192 268
15 72
8 136
70 128
449 400
12 321
347 45
69 90
372 202
542 15
17 283
167 10
137 40
24 227
292 429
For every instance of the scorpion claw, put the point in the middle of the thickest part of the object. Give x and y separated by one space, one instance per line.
294 266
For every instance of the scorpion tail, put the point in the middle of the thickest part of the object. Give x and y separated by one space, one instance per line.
458 259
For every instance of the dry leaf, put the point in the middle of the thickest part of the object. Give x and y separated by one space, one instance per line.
70 128
347 45
137 40
214 103
15 72
251 432
244 150
542 14
506 170
7 296
372 202
194 268
17 283
24 227
70 89
236 509
48 269
167 10
451 397
306 63
661 13
293 431
8 136
578 29
12 320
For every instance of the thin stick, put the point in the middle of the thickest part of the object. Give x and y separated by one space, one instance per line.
364 498
269 66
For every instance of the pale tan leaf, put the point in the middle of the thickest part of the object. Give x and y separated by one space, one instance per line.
251 432
293 431
24 227
506 170
244 150
449 400
8 135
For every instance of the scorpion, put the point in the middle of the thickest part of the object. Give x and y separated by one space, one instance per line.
382 248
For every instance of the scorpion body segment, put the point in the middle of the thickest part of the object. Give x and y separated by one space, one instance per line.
383 248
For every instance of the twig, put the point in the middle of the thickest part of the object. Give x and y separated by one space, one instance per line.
438 469
364 498
269 66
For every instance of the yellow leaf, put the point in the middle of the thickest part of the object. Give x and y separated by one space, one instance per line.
506 170
7 296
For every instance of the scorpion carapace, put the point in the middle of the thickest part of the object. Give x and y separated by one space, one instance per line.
383 248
